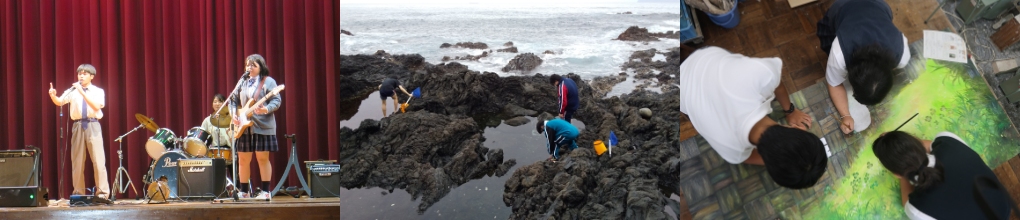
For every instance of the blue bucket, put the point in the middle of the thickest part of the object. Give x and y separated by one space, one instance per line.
728 20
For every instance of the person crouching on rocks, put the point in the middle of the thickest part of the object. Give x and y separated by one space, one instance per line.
389 88
559 134
728 97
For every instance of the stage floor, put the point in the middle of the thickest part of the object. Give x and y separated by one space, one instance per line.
281 207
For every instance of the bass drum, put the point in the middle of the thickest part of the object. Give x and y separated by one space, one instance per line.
166 166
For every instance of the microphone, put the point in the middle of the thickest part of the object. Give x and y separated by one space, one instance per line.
245 76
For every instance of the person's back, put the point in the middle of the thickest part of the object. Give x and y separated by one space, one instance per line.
568 94
954 197
726 94
562 128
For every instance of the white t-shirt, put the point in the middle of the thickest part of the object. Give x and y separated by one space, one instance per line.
725 94
835 68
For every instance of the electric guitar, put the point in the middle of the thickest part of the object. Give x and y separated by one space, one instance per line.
248 109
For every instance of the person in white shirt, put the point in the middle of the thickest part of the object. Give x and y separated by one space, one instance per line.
728 97
864 47
87 101
221 138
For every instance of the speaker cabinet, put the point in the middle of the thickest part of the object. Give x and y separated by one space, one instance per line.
324 181
16 168
202 178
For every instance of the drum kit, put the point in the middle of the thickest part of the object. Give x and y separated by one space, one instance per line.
166 149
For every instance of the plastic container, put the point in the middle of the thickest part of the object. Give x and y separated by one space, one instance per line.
686 23
600 147
728 20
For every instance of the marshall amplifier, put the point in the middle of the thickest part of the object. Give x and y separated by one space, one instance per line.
16 168
324 181
202 178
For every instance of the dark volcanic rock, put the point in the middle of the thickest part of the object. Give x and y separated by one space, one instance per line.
342 31
508 44
523 62
437 145
424 153
635 33
517 121
548 52
471 45
511 49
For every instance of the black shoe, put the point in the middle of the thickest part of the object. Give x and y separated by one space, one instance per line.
102 200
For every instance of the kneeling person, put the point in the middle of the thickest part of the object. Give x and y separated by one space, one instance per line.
559 134
728 98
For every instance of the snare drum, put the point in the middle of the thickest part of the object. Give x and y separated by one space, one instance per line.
166 166
220 152
197 142
160 143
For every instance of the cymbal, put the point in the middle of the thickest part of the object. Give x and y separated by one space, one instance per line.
220 121
145 120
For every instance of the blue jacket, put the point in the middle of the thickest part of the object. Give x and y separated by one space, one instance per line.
567 95
559 133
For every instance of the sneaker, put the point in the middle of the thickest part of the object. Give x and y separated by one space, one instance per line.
102 199
242 195
264 195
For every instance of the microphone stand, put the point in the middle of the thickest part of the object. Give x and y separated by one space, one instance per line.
117 187
233 151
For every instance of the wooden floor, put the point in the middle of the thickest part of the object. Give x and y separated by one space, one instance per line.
772 29
282 207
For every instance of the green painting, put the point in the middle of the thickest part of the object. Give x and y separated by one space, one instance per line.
947 98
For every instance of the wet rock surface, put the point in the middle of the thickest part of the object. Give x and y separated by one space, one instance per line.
523 62
510 49
342 31
469 45
582 185
424 153
635 33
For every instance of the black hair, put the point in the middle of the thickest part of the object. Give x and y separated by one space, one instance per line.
555 79
261 61
540 126
220 97
905 155
870 73
794 158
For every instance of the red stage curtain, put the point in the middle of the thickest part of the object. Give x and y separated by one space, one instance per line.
165 59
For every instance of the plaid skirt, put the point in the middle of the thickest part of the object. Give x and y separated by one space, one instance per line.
249 142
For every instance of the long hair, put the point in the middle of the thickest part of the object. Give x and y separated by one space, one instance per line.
904 155
263 68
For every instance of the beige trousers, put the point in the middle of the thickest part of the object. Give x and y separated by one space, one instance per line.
88 141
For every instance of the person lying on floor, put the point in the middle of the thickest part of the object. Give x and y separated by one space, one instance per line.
937 176
559 135
728 98
864 47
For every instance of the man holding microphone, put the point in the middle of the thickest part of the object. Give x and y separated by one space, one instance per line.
87 102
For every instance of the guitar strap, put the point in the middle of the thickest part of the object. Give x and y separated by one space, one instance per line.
259 91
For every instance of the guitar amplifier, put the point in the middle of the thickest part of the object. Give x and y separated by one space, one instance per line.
16 168
25 196
324 180
202 178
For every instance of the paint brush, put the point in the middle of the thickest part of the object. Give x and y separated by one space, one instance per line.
905 123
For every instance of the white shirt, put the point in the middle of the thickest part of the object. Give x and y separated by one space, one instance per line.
220 137
95 94
725 94
835 67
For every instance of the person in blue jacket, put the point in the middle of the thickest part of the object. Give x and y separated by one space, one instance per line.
559 134
566 93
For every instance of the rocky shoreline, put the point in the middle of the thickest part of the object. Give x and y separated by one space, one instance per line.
436 145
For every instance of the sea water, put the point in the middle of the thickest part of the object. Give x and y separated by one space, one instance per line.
581 37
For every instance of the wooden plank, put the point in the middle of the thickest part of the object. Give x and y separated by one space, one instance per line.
1008 35
795 3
